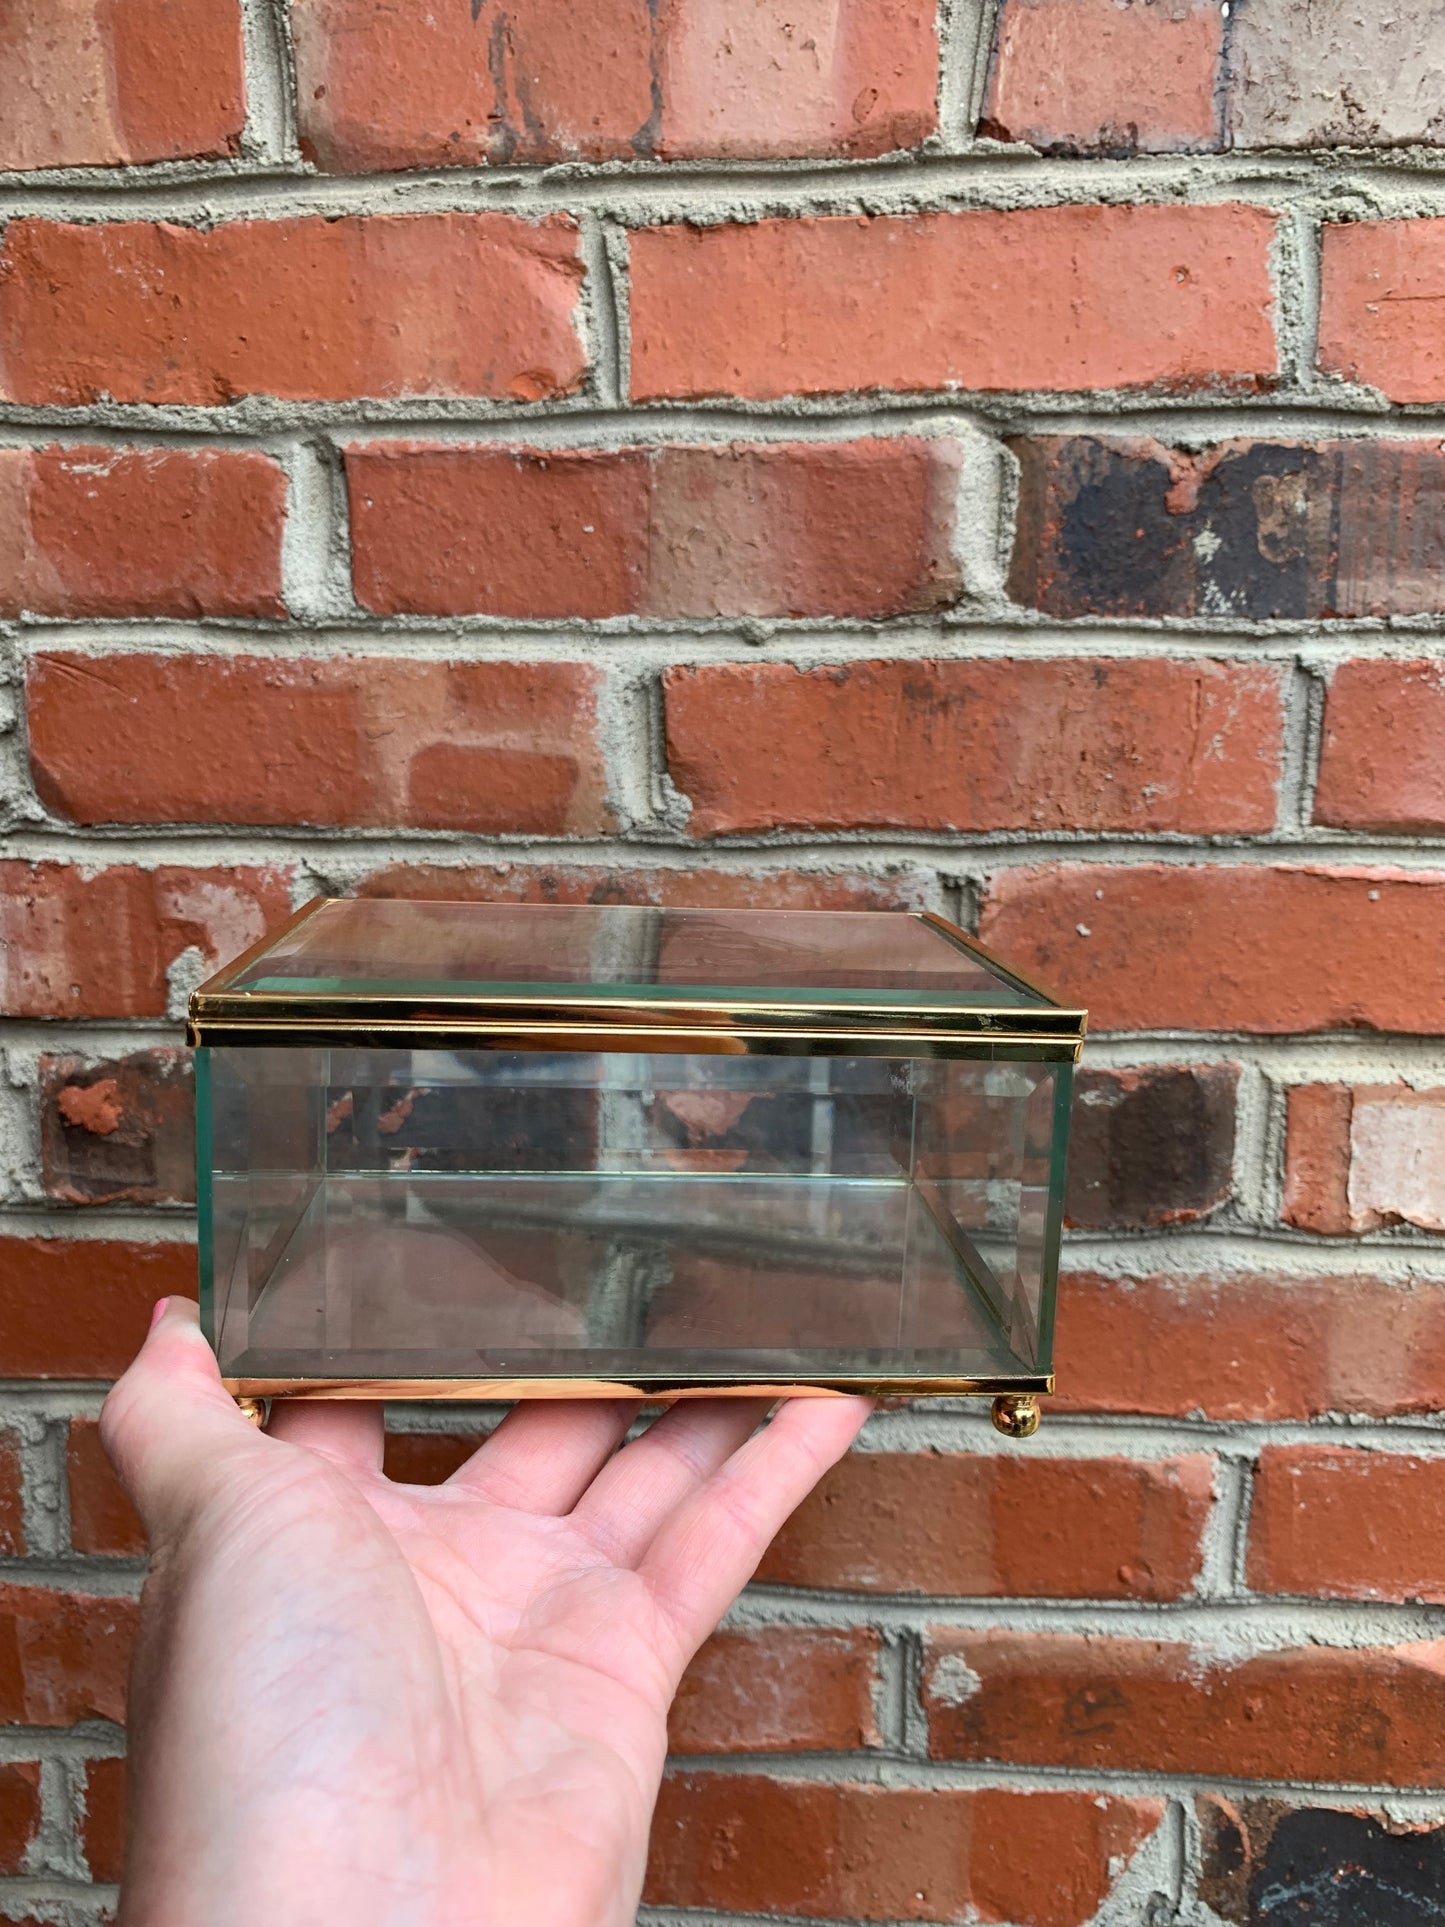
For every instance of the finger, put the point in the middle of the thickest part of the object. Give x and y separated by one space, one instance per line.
546 1452
169 1421
631 1496
706 1552
349 1431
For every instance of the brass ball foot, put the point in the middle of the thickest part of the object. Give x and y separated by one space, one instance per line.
255 1410
1015 1417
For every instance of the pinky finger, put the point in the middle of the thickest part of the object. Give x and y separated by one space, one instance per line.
707 1550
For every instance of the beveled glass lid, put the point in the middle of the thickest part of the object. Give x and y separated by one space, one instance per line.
378 970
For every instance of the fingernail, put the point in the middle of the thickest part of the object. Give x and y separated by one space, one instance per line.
158 1314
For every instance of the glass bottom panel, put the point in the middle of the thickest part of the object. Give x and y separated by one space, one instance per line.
410 1275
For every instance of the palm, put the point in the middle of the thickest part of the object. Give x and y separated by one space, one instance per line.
453 1698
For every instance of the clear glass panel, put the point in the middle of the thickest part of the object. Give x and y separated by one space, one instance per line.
414 1213
360 944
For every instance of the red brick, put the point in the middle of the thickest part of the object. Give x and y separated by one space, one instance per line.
63 1656
781 1689
1061 297
389 742
855 77
1250 1347
19 1812
118 1131
12 1510
1240 947
1348 1525
1129 526
102 1518
73 945
79 1307
1380 762
745 1844
312 308
948 1523
91 84
1369 1865
1094 77
1022 744
1156 1706
1359 1157
1317 1158
102 1830
1379 295
891 888
382 85
140 532
774 529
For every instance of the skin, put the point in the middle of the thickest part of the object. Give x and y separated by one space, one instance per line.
422 1706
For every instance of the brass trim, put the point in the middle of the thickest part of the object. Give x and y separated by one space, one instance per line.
1011 1385
482 1034
1015 1417
964 941
224 976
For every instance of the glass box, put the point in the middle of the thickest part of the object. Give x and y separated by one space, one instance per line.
497 1151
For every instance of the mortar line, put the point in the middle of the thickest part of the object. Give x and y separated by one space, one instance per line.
269 140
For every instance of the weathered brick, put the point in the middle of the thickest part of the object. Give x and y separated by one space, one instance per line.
947 1523
1127 526
1063 297
382 85
121 1130
422 304
104 1287
63 1655
102 1829
140 532
385 741
1240 947
1325 73
779 1689
426 1458
1098 77
19 1812
742 1844
1250 1347
73 945
891 888
774 529
102 1518
1378 297
1265 1862
12 1508
1315 1713
1348 1525
1380 762
91 84
1361 1156
1015 744
1150 1147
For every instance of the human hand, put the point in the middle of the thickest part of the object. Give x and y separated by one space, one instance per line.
363 1702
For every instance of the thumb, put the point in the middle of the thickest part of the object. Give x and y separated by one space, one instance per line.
168 1420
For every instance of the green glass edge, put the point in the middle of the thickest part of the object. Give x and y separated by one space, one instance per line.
1054 1225
205 1226
272 986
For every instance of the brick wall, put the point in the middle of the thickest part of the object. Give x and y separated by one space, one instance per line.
827 455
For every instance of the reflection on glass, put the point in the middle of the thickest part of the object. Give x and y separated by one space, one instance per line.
411 1213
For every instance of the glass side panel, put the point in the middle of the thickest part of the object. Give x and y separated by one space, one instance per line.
412 1213
377 945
